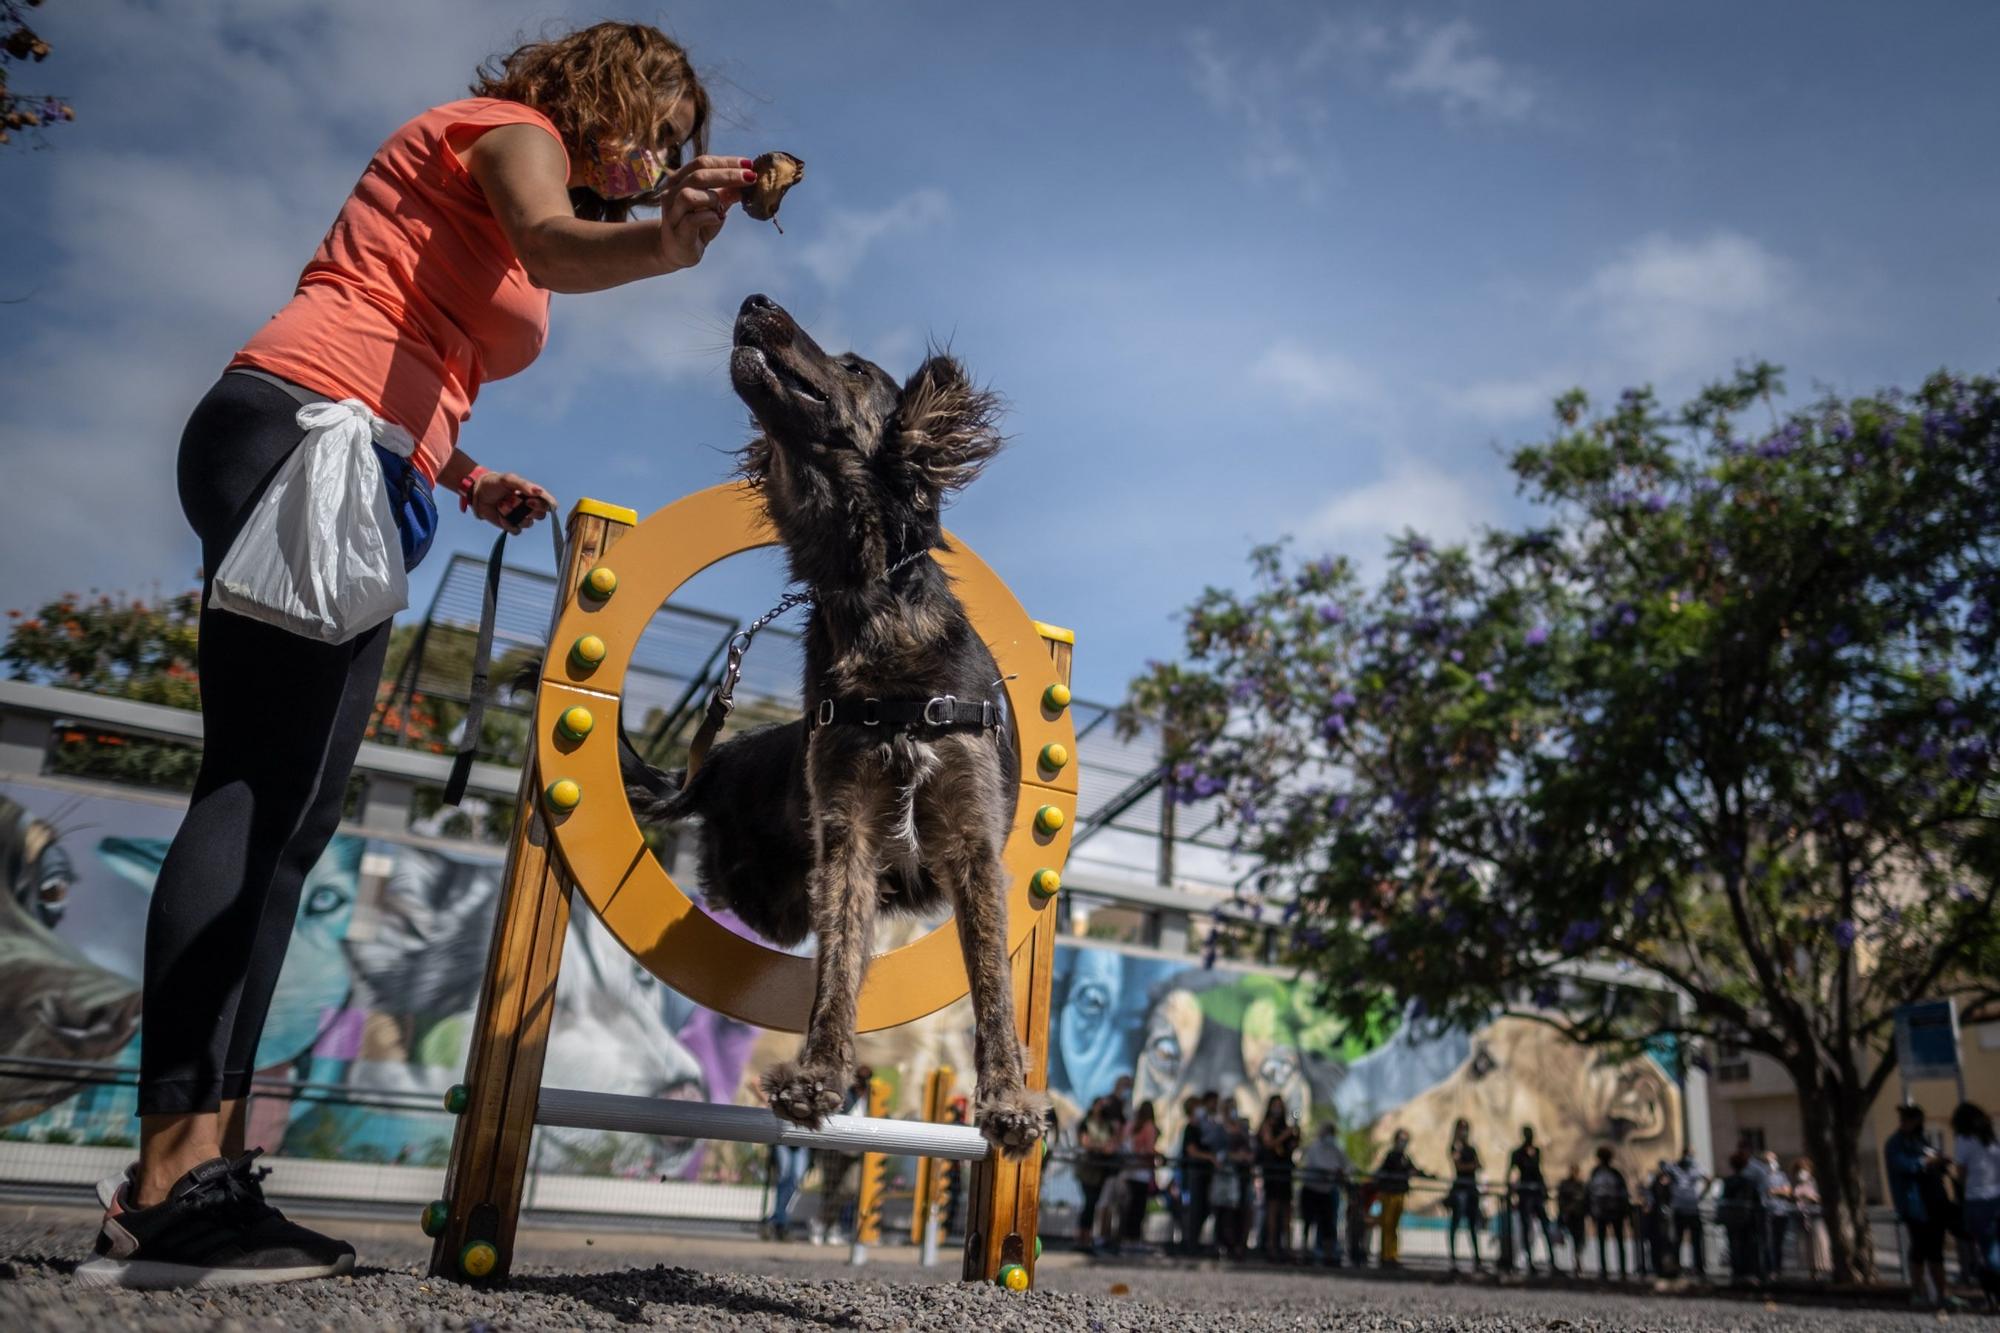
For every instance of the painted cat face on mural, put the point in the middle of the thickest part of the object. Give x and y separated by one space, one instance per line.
1520 1072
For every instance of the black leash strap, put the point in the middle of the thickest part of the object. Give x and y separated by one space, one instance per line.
482 660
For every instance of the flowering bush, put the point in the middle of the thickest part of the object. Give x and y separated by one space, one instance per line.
1729 713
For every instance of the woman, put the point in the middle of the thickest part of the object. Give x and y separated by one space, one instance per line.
1610 1204
1141 1152
1813 1240
1572 1209
1277 1140
434 279
1232 1193
1978 1156
1097 1137
1463 1198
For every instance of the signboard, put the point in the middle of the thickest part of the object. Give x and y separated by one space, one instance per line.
1927 1040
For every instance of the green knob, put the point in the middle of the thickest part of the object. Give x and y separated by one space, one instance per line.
563 795
1045 883
456 1099
1056 697
1038 1247
478 1258
1013 1277
575 723
587 651
1049 819
436 1213
1055 755
600 582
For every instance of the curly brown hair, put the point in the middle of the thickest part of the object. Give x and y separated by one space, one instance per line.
610 81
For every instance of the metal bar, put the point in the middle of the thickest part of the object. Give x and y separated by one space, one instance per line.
571 1108
1100 818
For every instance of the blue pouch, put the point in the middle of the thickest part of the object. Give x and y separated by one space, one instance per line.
410 501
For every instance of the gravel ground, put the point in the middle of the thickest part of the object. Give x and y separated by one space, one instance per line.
565 1280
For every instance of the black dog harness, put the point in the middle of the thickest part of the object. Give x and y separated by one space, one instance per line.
944 712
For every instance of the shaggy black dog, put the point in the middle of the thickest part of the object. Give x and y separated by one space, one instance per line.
818 824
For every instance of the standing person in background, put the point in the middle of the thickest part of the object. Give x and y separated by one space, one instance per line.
1610 1204
836 1167
432 281
1814 1244
1741 1219
1197 1166
1531 1198
1978 1155
1691 1184
1779 1211
1141 1152
1916 1176
1463 1200
1663 1254
1231 1175
1323 1174
1097 1140
1392 1186
1572 1208
788 1171
1277 1140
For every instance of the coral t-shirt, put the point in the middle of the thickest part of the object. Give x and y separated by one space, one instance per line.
415 298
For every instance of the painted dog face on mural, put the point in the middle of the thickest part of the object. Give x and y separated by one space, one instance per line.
1521 1072
54 1003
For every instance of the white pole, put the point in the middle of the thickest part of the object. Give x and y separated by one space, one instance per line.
622 1113
929 1253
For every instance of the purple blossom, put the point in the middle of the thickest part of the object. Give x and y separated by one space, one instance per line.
1207 785
1656 503
1843 934
1537 635
1485 679
1334 727
1343 699
1242 689
1963 892
1838 636
1546 996
1579 934
1333 613
1337 807
1946 707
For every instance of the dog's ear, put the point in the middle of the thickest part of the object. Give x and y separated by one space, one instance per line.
946 427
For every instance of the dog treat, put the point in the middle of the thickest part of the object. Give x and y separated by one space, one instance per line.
776 173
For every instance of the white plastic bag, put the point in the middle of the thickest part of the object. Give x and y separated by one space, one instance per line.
320 556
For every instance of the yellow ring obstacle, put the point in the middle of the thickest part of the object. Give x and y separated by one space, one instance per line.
600 842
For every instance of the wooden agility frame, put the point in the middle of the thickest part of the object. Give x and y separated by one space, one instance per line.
582 836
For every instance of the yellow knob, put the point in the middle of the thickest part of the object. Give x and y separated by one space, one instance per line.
1045 883
1056 697
1014 1277
1055 754
478 1258
600 582
576 722
588 650
1048 819
563 794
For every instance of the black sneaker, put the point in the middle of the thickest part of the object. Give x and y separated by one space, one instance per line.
213 1230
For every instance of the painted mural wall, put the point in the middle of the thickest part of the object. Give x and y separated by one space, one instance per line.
378 992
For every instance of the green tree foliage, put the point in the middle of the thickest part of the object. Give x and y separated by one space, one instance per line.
1729 714
18 42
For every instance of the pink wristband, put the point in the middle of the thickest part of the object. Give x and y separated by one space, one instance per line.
465 485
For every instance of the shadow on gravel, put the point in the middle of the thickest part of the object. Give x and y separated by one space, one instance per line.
625 1296
62 1265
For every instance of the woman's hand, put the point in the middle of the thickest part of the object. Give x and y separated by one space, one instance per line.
509 500
693 204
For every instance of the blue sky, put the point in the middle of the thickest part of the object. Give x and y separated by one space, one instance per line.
1241 271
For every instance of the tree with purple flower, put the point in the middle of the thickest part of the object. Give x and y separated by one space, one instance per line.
1744 738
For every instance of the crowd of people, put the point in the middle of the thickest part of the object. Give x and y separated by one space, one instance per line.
1231 1187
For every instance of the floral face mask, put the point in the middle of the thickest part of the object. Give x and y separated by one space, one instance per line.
619 171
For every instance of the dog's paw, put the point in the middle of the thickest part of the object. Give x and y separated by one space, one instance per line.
802 1095
1013 1120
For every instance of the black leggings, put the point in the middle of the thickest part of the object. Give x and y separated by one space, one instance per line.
282 720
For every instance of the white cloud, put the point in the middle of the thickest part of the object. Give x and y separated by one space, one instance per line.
1309 378
1445 63
1273 107
844 237
1506 400
1668 307
1445 506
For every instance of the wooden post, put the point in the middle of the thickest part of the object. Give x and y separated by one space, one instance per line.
489 1151
1002 1218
